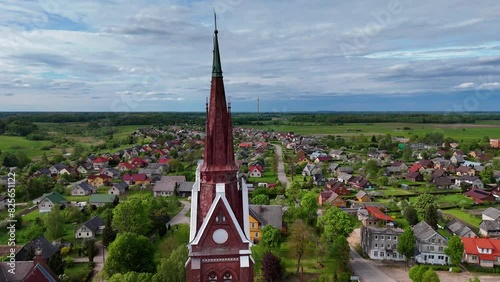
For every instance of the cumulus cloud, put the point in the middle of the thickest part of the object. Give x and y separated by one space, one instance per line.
466 85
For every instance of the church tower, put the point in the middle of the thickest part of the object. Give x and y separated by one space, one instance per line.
219 248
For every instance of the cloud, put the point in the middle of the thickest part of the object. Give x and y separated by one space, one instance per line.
92 53
466 85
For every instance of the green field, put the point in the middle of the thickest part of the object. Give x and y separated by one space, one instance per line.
16 143
457 131
464 216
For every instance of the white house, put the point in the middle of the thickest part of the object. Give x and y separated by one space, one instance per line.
430 245
50 200
90 228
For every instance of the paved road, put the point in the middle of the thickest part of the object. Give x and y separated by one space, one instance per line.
281 166
366 270
182 217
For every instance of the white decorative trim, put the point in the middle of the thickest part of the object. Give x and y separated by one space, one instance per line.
219 197
194 204
220 188
244 262
246 212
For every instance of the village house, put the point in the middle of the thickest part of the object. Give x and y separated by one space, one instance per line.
100 162
374 216
118 189
122 167
50 200
491 214
100 200
338 187
484 252
344 177
136 179
111 172
90 228
426 164
414 176
167 188
474 181
430 245
48 249
361 196
344 169
461 230
99 180
184 189
311 169
33 270
489 228
480 196
443 182
154 169
338 155
83 189
360 182
138 162
331 198
262 215
416 168
319 180
84 169
255 171
495 143
380 243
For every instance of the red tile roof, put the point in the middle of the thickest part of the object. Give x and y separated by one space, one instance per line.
377 213
259 168
471 246
100 160
415 168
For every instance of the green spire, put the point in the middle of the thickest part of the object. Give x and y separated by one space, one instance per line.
216 66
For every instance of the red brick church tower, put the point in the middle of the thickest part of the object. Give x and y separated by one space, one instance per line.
219 248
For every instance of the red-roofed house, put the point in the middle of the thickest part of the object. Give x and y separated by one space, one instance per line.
414 176
480 196
138 162
124 167
376 215
415 168
332 198
164 160
100 162
245 145
255 171
136 179
481 251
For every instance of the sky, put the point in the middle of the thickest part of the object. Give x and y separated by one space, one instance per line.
294 55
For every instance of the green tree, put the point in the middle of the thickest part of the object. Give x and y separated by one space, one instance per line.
159 218
77 151
54 223
335 223
9 159
45 160
271 237
487 175
422 202
108 234
371 168
417 272
406 244
407 154
176 166
309 203
411 215
173 269
132 216
431 216
22 159
340 252
90 248
260 199
130 252
300 236
430 276
272 271
132 277
294 192
455 249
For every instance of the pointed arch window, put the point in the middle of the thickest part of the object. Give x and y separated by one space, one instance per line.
220 218
228 277
212 277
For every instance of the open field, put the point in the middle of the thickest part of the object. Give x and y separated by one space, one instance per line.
464 216
30 148
458 131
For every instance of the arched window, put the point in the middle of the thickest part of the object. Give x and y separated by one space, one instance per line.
228 277
212 277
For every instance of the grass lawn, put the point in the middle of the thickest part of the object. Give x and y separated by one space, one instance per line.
394 192
78 272
268 177
137 193
34 214
173 239
20 144
458 131
464 216
456 199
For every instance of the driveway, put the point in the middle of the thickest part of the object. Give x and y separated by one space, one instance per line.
281 166
182 217
366 269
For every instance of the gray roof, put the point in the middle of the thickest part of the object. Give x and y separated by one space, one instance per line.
164 186
94 223
458 228
361 194
423 231
492 213
268 215
85 186
490 225
156 165
122 186
173 178
185 186
48 249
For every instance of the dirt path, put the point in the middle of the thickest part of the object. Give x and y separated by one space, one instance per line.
281 166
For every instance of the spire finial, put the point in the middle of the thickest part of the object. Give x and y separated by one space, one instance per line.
215 20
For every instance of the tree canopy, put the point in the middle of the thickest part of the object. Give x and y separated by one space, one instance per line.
132 216
455 249
130 252
336 222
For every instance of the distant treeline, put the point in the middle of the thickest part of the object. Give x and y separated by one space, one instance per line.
19 120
